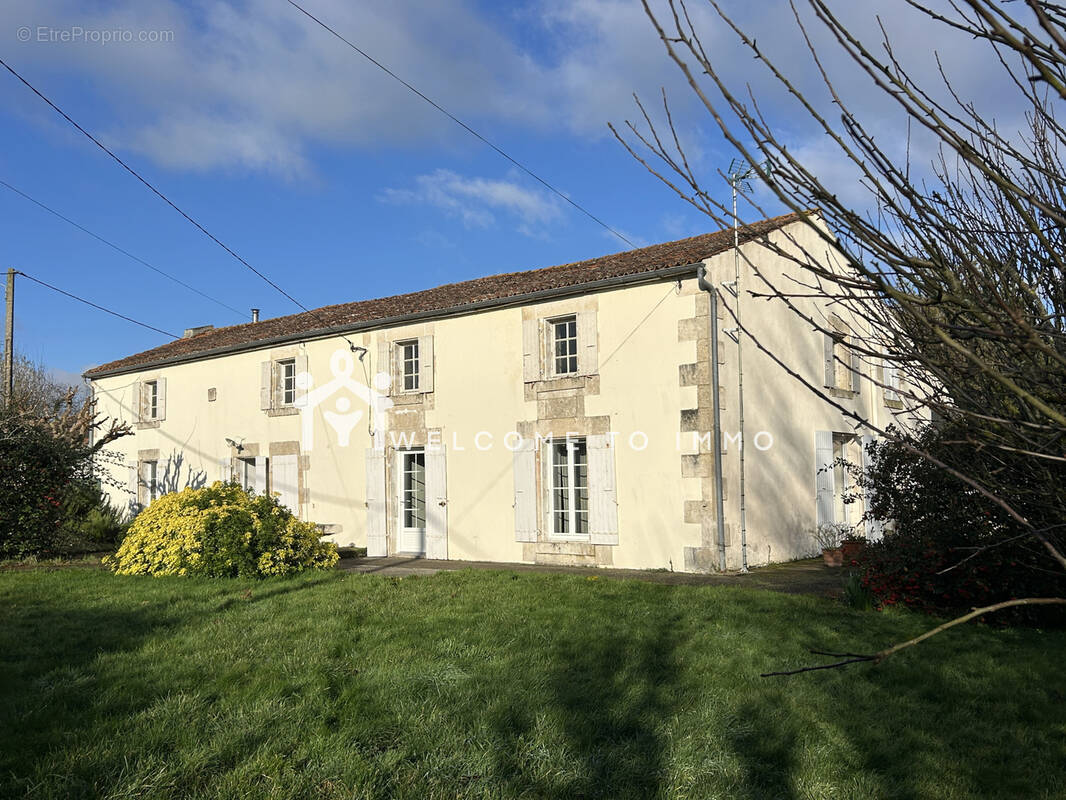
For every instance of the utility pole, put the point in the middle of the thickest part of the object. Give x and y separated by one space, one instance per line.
9 342
739 173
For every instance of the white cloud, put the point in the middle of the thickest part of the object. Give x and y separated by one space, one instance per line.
476 201
254 85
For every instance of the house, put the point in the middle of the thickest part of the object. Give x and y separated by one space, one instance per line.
559 415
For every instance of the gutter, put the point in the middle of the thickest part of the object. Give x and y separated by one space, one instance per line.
653 276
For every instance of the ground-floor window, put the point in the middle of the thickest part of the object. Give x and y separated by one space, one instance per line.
569 488
246 473
149 479
414 490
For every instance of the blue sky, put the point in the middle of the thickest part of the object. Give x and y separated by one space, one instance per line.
328 176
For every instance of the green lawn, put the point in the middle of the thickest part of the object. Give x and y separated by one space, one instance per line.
497 685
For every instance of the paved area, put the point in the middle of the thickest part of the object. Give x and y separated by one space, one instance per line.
810 576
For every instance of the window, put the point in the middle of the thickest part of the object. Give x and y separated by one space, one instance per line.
287 381
891 389
246 473
279 391
569 488
408 358
149 490
564 345
414 490
151 399
847 454
841 360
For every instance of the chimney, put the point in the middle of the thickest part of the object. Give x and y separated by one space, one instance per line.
191 332
255 315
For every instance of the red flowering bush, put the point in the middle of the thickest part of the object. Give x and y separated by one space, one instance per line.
950 549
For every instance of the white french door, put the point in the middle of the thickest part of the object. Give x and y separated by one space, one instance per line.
411 501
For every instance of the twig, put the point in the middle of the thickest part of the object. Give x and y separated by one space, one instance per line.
881 655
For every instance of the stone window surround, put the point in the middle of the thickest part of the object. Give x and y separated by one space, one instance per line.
275 356
282 448
387 362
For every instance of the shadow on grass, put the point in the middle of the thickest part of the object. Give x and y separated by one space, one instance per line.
50 689
609 695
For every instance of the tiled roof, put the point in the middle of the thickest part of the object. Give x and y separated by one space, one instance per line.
450 298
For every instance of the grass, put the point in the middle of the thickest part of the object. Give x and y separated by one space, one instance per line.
500 685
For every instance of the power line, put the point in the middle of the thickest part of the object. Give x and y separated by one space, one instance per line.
154 190
96 306
458 122
115 247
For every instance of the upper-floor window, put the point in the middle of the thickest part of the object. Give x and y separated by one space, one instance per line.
151 399
891 385
409 362
287 381
841 357
564 345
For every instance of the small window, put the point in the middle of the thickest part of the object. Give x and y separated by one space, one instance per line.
149 481
246 473
569 488
151 399
409 364
564 345
287 381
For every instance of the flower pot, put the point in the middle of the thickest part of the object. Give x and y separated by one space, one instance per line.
851 549
833 557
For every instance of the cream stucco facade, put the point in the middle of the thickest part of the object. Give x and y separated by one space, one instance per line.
485 413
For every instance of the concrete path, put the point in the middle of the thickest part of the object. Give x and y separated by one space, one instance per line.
810 576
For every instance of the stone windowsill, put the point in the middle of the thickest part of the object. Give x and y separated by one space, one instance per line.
284 411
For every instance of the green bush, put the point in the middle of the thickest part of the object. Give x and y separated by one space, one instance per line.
220 531
950 548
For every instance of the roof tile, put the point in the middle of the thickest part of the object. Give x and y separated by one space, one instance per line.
451 297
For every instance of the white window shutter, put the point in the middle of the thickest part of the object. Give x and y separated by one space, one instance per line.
286 480
376 544
225 470
161 398
856 366
828 341
261 476
138 401
436 504
525 492
425 363
891 381
144 495
875 528
587 348
266 386
131 483
823 479
603 494
531 348
301 368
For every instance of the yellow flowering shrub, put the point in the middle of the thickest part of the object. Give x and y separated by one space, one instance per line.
220 531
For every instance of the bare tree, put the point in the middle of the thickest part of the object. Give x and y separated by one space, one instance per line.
958 277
